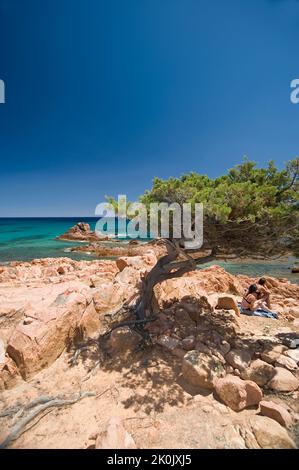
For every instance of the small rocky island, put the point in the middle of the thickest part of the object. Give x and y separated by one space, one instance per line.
97 245
81 232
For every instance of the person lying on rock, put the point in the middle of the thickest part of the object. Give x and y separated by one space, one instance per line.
263 292
251 300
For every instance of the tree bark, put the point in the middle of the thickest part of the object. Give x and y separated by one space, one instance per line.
166 268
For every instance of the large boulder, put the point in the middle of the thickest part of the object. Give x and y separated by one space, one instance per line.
42 336
239 359
283 381
270 434
115 436
236 393
216 279
259 372
201 369
212 282
276 412
228 302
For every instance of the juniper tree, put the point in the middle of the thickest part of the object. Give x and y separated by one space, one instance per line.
248 212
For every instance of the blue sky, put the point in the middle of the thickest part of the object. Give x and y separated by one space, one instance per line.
104 95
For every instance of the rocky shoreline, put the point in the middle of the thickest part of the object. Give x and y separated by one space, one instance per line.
231 378
106 247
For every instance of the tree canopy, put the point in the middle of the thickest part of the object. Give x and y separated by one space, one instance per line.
248 211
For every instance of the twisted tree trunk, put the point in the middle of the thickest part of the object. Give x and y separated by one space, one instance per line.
166 268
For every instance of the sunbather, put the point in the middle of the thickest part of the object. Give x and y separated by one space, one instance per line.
263 292
252 302
249 301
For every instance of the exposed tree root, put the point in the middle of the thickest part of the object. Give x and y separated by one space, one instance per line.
17 408
42 403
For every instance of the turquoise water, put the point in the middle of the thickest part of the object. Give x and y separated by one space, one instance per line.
255 269
28 238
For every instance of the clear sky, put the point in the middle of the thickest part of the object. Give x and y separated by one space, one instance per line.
104 95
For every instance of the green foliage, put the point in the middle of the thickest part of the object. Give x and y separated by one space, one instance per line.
248 210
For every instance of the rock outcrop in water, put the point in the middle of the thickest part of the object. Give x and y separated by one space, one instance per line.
118 248
207 369
81 232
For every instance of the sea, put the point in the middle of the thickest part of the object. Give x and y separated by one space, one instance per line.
24 239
